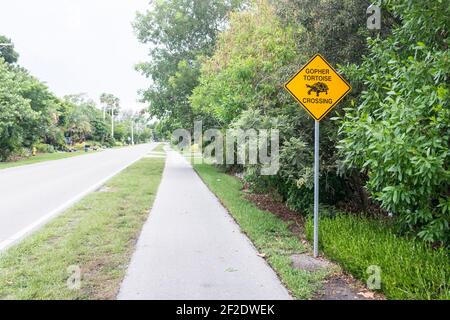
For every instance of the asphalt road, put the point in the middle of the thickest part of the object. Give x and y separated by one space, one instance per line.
190 247
33 194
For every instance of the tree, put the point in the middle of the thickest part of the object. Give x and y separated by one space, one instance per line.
112 106
244 70
335 28
84 120
178 32
16 114
44 103
42 126
241 85
7 52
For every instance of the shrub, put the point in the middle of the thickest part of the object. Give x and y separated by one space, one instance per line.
44 148
241 86
399 134
19 153
410 269
16 115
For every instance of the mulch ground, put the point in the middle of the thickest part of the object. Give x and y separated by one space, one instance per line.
265 202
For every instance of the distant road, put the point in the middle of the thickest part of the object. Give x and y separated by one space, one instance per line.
31 195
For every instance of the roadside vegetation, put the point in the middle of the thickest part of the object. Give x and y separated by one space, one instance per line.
409 268
384 150
33 119
97 235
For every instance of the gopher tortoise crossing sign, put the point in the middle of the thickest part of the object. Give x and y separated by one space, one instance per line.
318 87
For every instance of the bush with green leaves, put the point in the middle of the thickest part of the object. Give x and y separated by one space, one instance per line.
244 72
44 148
399 131
241 85
16 115
178 32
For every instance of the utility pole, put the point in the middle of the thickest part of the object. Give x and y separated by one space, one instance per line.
112 121
132 132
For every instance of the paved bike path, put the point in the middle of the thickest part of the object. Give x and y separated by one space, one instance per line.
190 248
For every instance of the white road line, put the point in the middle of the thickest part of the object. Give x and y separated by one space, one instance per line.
38 223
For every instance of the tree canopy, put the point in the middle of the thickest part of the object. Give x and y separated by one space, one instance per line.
178 32
31 115
7 51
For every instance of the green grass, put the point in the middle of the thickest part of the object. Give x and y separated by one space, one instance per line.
41 157
409 269
159 148
98 234
270 234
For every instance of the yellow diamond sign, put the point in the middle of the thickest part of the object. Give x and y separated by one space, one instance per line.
318 87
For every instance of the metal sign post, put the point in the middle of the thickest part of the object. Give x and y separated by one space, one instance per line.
316 189
318 88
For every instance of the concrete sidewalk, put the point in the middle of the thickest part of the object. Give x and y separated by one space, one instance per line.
190 248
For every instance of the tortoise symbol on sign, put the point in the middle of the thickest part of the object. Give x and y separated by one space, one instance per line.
318 87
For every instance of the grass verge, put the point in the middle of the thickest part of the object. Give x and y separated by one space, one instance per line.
409 269
159 148
270 234
97 235
40 158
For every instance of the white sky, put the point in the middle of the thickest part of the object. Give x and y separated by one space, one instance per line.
78 46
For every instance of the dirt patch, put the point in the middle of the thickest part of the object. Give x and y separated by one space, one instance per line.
97 281
344 287
304 261
337 286
265 202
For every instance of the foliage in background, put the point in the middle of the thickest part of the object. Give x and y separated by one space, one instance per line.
32 116
16 114
398 132
245 66
241 85
179 32
7 52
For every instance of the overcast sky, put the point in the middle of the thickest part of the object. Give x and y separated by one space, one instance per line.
78 45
